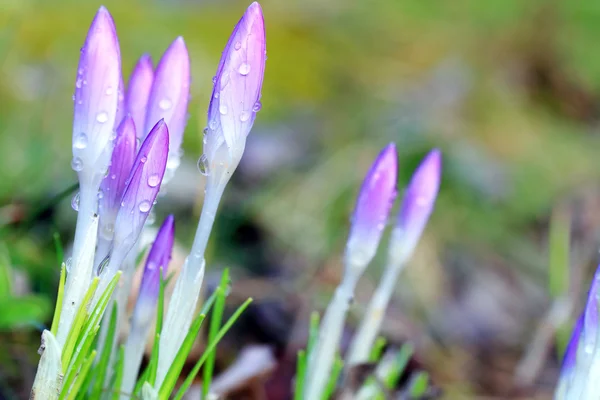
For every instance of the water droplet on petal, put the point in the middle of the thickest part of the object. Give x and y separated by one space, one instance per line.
212 124
102 117
205 131
113 176
109 91
153 180
165 104
244 69
68 264
237 45
143 159
107 231
100 194
77 164
75 202
144 206
203 165
216 95
80 141
223 109
245 116
78 83
257 106
214 79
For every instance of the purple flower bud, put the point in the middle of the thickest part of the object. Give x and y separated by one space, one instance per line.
142 187
113 185
159 257
138 91
96 97
169 94
236 94
417 206
120 103
571 351
373 207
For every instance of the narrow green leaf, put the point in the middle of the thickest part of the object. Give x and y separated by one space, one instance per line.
79 360
166 391
102 365
300 375
215 324
338 365
77 324
377 349
313 333
59 299
392 378
85 369
5 272
419 384
559 247
118 377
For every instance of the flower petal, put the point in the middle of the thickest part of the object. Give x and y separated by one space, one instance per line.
138 92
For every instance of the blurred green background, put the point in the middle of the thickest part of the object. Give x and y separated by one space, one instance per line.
507 89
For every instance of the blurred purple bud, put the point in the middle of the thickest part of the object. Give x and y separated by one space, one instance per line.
372 209
571 352
113 185
159 257
138 91
143 185
237 90
417 206
96 98
169 95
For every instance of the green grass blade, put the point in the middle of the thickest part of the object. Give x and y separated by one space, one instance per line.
118 377
79 361
80 318
391 380
377 349
190 378
419 385
558 246
81 377
175 369
215 324
313 333
102 366
336 370
59 299
300 375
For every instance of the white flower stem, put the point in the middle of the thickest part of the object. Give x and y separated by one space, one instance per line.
330 334
363 341
82 262
185 296
134 352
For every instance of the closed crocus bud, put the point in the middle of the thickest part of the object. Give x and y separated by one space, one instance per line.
236 95
96 98
372 209
159 256
143 185
169 96
416 208
138 91
121 109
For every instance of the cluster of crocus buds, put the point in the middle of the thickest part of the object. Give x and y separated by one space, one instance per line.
369 219
123 143
580 371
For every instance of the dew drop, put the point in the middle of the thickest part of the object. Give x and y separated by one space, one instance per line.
80 141
216 95
109 91
107 231
144 206
245 116
237 45
205 131
102 117
113 176
203 165
212 124
75 202
223 109
100 194
76 164
257 106
68 264
165 104
73 97
244 69
153 180
214 79
143 159
78 83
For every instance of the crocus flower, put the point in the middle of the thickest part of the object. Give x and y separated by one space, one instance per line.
145 307
373 206
169 95
417 206
580 371
236 95
96 98
159 256
121 108
138 91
